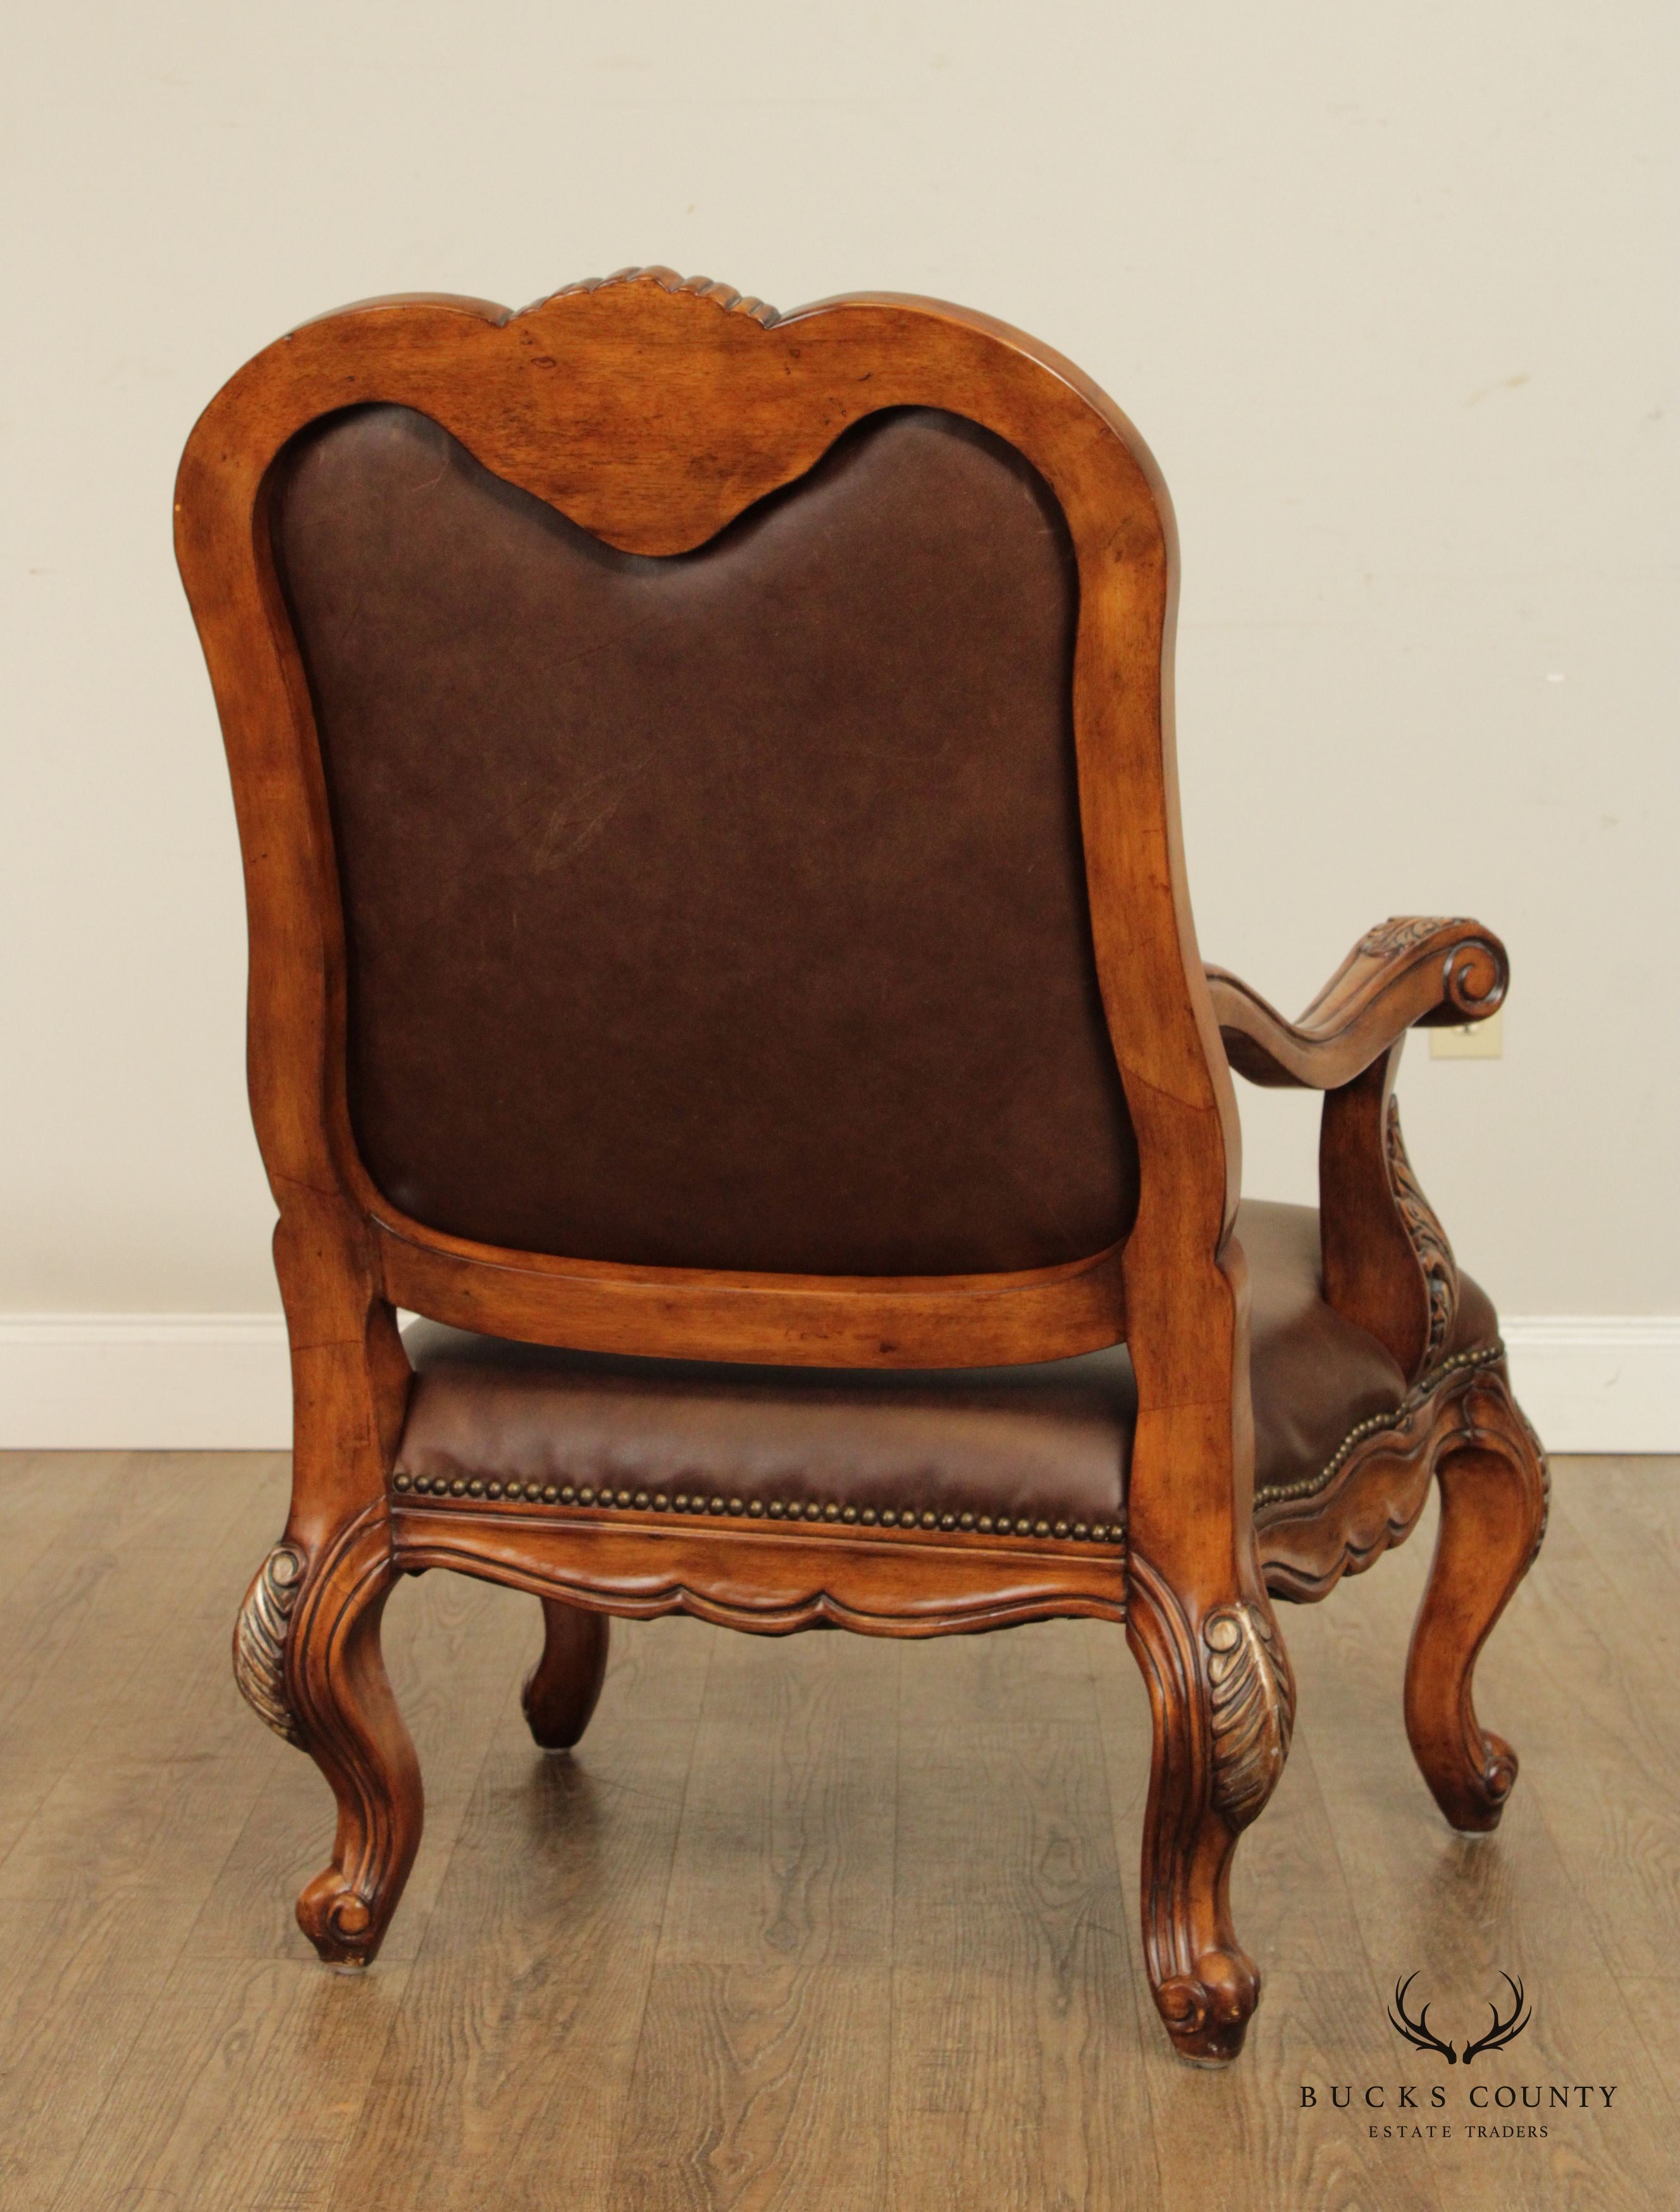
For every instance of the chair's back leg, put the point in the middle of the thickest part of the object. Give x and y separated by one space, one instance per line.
561 1690
348 1721
1222 1700
1495 1489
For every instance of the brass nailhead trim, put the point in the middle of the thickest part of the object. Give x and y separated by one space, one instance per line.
1276 1493
826 1510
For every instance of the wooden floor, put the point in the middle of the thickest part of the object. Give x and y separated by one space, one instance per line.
815 1923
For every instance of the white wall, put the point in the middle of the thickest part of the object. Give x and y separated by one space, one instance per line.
1388 290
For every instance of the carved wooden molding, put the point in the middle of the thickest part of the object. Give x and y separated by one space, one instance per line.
1252 1696
832 1579
1428 1238
702 287
260 1639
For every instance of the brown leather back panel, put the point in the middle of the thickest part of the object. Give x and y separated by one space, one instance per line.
726 910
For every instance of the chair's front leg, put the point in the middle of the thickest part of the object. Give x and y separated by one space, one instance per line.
561 1690
1494 1491
1222 1700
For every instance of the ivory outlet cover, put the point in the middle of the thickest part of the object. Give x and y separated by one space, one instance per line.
1474 1040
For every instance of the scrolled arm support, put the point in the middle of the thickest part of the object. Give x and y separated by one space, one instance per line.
1414 971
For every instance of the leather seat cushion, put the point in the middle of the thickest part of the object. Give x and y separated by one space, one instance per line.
1043 1447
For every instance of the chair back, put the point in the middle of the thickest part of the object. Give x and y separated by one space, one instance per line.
709 820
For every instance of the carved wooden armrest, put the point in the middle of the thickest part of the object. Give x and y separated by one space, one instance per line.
1387 1264
1417 970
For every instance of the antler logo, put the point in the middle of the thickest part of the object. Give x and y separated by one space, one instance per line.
1418 2031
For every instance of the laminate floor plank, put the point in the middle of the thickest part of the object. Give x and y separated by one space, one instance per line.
243 2093
157 1766
511 2063
1016 2065
775 1947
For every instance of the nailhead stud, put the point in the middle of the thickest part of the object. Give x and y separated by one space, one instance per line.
754 1509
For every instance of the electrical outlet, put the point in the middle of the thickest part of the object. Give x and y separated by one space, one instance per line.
1474 1040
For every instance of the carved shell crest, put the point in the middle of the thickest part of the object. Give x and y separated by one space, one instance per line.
1251 1695
260 1639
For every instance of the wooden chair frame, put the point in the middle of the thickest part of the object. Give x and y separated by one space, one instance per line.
652 411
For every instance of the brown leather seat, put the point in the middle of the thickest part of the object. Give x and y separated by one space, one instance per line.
1041 1449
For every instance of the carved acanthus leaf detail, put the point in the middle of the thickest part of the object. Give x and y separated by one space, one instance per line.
1251 1696
1428 1240
260 1639
1403 931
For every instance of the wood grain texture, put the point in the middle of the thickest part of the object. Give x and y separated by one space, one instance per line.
938 1836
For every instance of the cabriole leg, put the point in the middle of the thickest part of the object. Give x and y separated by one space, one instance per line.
1495 1489
1222 1702
306 1655
560 1692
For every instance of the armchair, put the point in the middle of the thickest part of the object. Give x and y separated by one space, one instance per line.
720 958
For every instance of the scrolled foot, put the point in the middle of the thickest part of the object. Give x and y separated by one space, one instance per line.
1473 1797
339 1922
1207 2014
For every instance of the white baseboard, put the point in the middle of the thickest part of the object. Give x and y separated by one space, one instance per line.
1598 1383
1589 1382
134 1382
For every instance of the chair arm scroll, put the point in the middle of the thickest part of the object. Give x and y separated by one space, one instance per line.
1413 971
